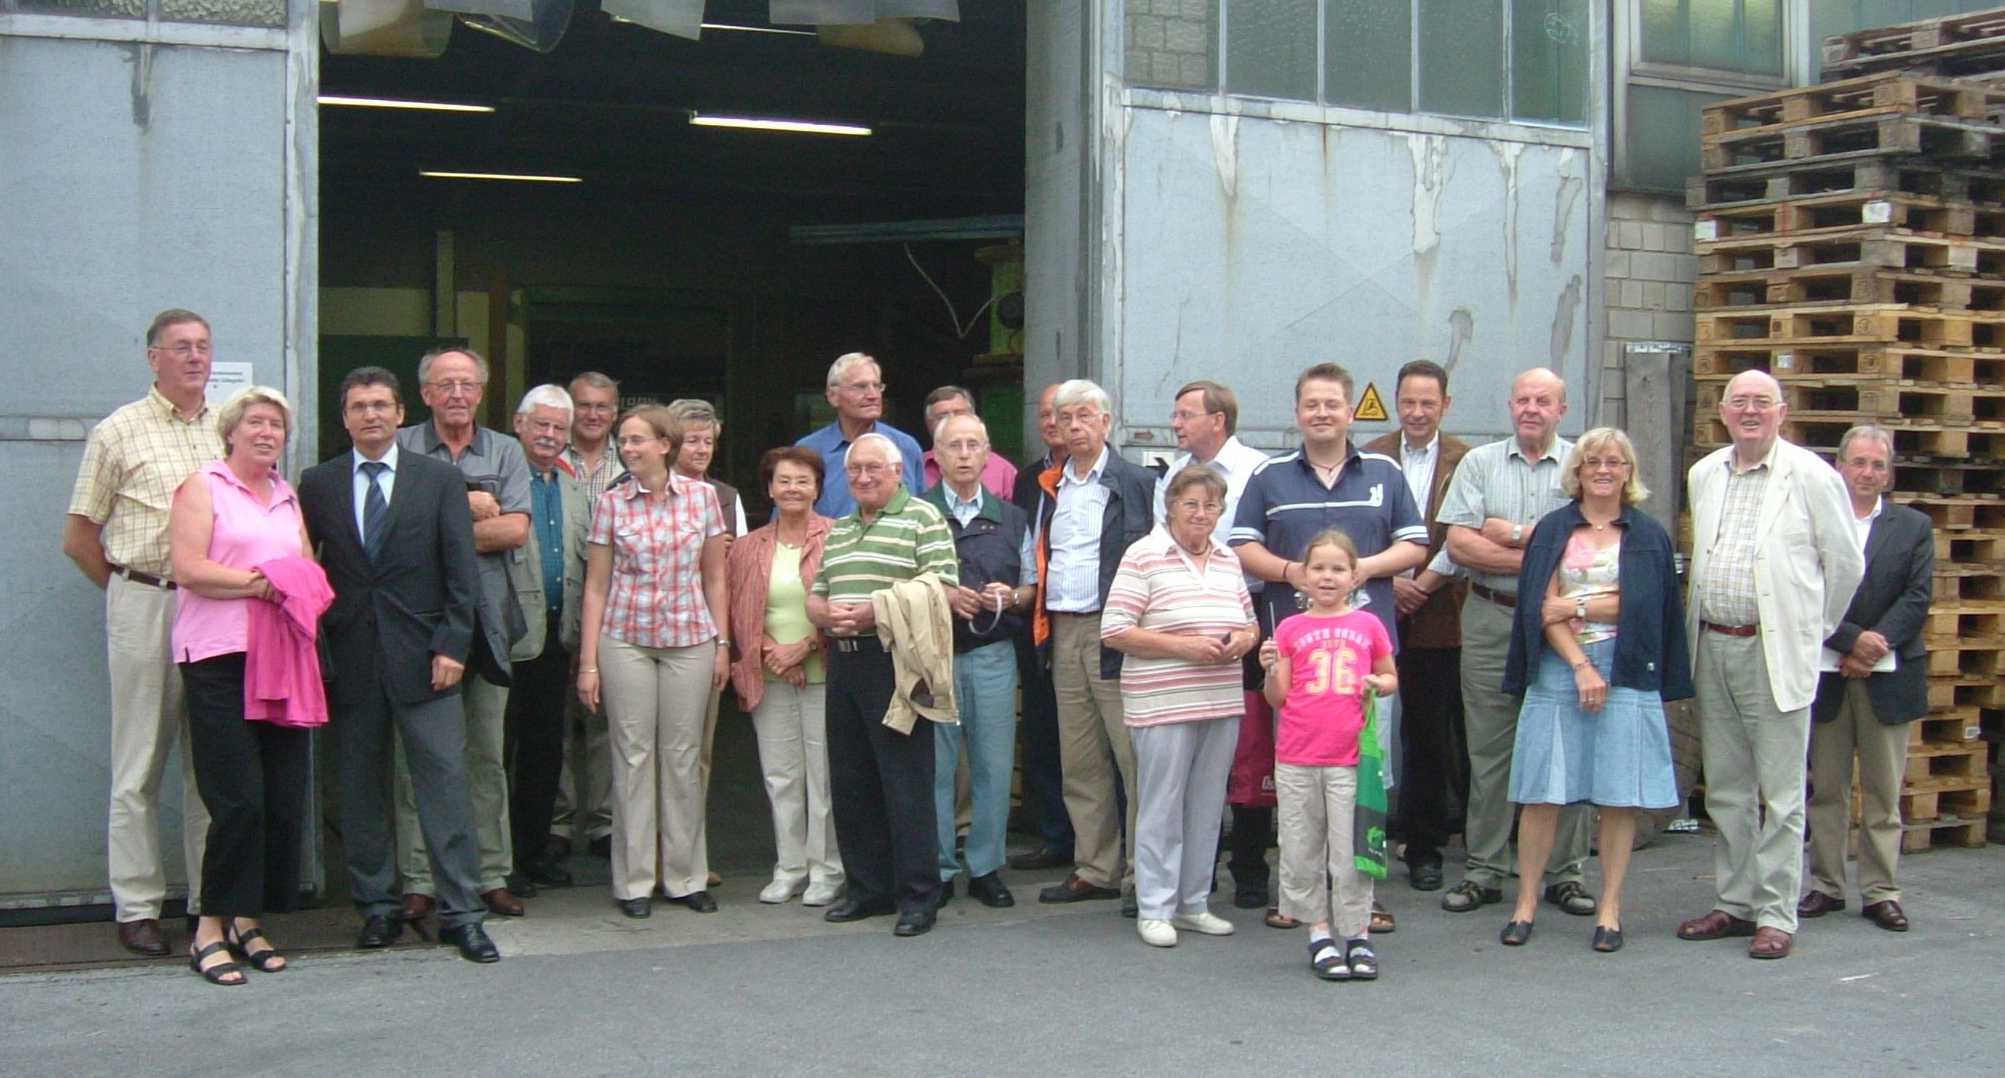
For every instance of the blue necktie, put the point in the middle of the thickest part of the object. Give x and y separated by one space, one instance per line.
375 508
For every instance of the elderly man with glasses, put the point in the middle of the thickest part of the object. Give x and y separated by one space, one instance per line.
856 391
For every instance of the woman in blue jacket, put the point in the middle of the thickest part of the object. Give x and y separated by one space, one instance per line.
1595 662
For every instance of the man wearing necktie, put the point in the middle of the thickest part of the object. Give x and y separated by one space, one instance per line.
395 535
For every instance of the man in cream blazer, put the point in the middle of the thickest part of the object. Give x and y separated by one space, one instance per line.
1774 564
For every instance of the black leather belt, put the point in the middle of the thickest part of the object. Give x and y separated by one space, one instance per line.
147 579
855 643
1498 597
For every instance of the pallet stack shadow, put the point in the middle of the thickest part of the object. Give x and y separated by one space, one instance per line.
1851 242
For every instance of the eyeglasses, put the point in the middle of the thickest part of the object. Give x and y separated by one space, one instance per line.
962 447
459 387
184 349
864 387
1192 505
1752 404
1595 464
867 468
1188 416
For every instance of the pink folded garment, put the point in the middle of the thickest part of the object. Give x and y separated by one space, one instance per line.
281 664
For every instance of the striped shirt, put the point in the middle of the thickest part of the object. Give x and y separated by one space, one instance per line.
1498 480
656 596
909 537
1162 588
133 462
1727 594
594 480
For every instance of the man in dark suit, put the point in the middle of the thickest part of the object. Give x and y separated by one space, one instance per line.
395 535
1433 749
1878 686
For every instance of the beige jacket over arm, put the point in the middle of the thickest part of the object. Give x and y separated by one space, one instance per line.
915 625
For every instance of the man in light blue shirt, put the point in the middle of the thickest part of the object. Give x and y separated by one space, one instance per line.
856 389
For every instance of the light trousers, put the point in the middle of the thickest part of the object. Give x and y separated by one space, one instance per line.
1882 752
656 700
792 728
147 717
985 693
1320 881
1180 773
587 777
1490 720
1754 757
485 706
1091 730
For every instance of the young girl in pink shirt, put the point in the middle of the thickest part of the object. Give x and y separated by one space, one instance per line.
1319 664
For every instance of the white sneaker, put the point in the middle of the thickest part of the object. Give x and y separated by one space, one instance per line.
1156 933
780 890
1204 922
822 894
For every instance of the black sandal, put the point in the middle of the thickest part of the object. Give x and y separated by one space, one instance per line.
215 974
261 961
1362 960
1327 959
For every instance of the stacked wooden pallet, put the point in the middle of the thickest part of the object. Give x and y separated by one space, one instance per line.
1970 45
1851 242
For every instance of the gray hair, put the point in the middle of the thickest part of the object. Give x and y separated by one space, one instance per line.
425 362
691 412
232 412
1867 430
545 395
891 453
977 420
1083 391
1192 475
847 362
596 381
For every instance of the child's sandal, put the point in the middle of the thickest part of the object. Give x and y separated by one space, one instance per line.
1328 961
1362 960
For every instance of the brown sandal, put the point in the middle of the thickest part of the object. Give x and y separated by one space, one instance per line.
1277 919
1382 921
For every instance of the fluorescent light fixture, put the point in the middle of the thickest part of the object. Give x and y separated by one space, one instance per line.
517 177
392 103
753 123
756 29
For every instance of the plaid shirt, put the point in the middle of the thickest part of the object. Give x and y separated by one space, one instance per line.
656 597
1727 594
594 480
132 464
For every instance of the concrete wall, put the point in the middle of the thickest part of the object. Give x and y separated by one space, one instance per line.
1648 273
1062 151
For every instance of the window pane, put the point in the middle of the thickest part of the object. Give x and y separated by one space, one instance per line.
1549 60
1370 54
227 12
103 9
1665 39
1762 54
1715 33
1270 48
1173 45
1462 57
1663 136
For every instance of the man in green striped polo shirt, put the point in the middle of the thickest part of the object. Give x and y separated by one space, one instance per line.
880 781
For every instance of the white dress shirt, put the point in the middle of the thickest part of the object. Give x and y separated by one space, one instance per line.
1235 461
388 481
1864 524
1073 585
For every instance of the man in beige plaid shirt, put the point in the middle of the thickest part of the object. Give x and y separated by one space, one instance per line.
116 532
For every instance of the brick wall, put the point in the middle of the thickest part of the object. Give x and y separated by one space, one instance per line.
1171 43
1649 274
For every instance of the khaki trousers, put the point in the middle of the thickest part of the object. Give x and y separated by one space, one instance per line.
1754 780
1882 751
147 716
486 709
1091 728
1320 880
1490 719
656 700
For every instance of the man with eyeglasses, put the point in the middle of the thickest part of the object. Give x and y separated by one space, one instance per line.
452 383
1775 561
1043 784
856 390
998 475
584 808
116 533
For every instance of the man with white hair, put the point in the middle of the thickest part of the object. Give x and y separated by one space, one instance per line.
1775 560
1096 505
856 390
554 569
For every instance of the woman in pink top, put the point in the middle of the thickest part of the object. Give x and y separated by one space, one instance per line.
233 515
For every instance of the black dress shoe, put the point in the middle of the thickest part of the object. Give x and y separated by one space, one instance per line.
1131 907
635 908
850 909
700 901
991 891
548 873
379 932
1515 934
520 884
1249 897
947 894
1606 940
1042 858
602 847
914 923
1425 876
472 941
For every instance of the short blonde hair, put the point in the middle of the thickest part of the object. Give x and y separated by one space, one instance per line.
1633 490
232 412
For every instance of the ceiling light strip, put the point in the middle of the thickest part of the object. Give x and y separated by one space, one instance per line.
393 103
758 123
438 174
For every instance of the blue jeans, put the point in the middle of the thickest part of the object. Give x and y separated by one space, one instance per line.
985 692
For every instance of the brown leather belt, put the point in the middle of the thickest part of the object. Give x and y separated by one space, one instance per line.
147 579
855 643
1498 597
1730 630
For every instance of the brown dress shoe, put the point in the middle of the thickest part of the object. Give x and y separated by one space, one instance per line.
502 904
1717 925
142 938
1075 889
418 907
1887 915
1770 943
1817 904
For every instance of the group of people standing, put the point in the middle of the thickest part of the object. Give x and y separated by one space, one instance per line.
528 636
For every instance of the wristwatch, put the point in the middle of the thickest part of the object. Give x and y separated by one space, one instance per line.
1580 609
1517 533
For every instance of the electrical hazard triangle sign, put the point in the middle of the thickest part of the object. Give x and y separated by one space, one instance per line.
1370 407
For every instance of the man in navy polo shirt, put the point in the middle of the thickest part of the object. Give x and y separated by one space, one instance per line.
1327 483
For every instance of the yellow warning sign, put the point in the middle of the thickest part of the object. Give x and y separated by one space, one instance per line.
1370 407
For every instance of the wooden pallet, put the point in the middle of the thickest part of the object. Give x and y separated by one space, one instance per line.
1839 284
1864 401
1947 45
1978 550
1882 323
1859 174
1969 511
1941 811
1881 133
1932 478
1725 359
1863 247
1849 97
1961 692
1915 213
1966 658
1954 726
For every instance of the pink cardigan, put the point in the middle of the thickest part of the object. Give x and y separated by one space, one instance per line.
749 573
281 664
